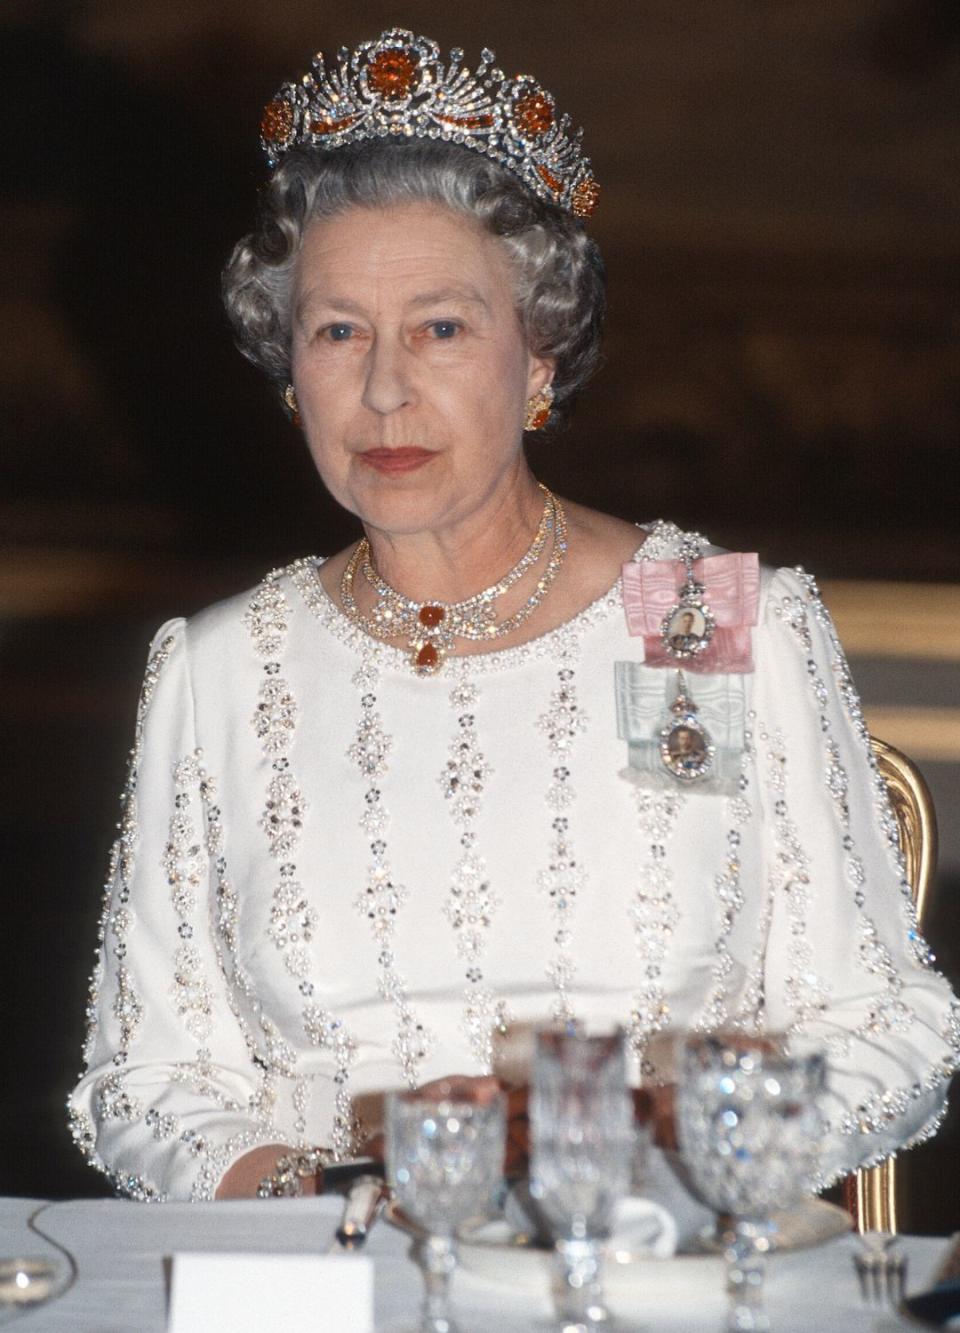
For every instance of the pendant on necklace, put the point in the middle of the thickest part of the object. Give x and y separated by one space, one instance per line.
427 650
432 628
688 627
686 747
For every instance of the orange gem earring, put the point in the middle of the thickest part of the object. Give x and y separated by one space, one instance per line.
290 398
539 408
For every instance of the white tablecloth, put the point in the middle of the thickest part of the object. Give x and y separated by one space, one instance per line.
120 1250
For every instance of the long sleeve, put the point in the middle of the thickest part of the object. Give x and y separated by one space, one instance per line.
170 1095
845 962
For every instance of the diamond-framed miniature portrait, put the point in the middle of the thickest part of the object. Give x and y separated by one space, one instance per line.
687 630
686 749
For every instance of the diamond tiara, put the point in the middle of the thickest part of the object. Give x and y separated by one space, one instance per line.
396 86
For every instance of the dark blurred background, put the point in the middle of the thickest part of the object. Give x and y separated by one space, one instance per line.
780 220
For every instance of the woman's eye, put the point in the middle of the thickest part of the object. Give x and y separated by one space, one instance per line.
445 328
338 333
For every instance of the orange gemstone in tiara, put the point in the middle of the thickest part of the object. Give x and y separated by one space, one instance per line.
533 113
332 126
549 179
585 198
277 123
467 122
392 74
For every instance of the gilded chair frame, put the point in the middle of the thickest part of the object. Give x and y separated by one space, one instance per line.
871 1193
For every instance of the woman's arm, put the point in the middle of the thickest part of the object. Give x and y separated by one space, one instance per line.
170 1095
844 960
242 1180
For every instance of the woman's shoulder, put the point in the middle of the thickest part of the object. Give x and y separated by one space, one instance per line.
667 540
623 541
259 613
779 593
612 544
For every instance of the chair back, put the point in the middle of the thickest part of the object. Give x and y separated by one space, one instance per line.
871 1193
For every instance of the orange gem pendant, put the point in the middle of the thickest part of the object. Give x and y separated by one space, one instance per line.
427 659
430 616
431 629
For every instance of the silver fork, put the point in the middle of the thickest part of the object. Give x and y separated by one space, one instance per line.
881 1268
364 1200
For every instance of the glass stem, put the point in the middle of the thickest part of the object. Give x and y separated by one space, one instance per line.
746 1246
578 1286
438 1259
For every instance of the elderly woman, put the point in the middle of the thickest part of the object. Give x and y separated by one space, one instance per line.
504 760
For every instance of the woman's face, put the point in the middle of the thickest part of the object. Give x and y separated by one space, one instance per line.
410 365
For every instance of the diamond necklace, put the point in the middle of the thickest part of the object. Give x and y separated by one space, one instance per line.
432 627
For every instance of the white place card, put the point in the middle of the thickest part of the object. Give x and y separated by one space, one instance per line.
249 1293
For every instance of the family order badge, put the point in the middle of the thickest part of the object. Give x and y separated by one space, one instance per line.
688 628
698 611
686 749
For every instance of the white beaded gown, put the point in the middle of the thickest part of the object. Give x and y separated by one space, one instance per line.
335 877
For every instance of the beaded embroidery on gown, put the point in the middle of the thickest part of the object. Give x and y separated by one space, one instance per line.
334 877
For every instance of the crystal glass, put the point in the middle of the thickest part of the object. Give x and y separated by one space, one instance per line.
26 1283
445 1166
750 1125
583 1138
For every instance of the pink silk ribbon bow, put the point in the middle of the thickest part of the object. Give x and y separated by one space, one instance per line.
731 591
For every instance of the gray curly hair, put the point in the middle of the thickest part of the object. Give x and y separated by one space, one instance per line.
560 285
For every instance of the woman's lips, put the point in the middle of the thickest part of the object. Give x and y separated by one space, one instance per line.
392 461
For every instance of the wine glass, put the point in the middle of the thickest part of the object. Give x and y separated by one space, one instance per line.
445 1165
26 1283
581 1161
750 1125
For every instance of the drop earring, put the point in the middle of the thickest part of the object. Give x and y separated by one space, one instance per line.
290 398
539 408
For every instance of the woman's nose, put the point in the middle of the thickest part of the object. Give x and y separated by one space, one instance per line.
388 384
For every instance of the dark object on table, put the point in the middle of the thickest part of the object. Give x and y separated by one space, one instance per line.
937 1306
